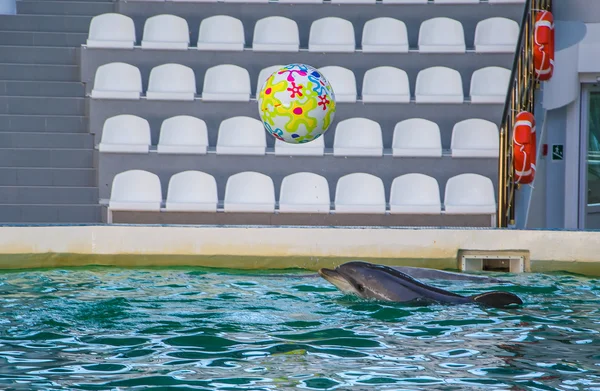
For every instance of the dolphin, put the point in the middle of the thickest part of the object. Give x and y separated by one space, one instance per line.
379 282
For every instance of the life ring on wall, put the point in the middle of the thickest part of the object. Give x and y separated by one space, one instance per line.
524 148
543 45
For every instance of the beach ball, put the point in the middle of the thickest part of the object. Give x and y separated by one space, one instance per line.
296 104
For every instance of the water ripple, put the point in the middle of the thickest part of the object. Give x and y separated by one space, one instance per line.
200 329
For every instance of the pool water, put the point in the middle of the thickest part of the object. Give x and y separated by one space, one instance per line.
202 329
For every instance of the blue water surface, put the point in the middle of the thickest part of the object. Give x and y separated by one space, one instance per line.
202 329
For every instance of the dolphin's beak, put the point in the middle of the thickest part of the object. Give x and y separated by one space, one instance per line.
337 279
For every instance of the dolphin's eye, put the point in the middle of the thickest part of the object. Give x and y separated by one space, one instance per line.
360 287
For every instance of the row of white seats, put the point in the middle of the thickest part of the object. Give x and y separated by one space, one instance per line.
350 1
183 134
228 82
302 192
281 34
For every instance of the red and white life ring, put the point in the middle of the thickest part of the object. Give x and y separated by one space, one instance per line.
524 148
543 48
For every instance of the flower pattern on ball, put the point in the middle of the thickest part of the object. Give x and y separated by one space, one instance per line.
296 104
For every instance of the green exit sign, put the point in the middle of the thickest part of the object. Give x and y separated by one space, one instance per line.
557 152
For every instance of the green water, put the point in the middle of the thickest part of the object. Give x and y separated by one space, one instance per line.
194 329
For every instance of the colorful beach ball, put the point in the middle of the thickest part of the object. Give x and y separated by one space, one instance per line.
296 104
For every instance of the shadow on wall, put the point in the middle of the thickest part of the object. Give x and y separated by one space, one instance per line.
8 7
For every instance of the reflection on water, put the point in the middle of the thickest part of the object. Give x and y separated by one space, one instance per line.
192 329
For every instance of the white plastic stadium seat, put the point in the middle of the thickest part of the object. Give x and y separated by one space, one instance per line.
249 191
360 193
439 84
192 191
264 75
171 82
385 84
304 192
358 137
166 32
241 136
331 34
417 137
490 85
221 32
415 194
125 133
111 30
135 190
117 80
505 1
496 35
314 148
245 1
226 82
183 134
384 35
342 81
475 138
276 34
469 194
299 1
441 35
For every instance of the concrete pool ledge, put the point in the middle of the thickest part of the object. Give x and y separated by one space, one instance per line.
42 246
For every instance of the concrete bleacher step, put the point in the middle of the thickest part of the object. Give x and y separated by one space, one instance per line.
46 140
41 88
42 105
46 23
39 72
48 194
41 38
49 213
38 55
43 157
41 176
70 7
43 123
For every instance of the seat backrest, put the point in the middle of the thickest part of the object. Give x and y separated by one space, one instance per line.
113 27
172 78
360 189
331 33
242 131
192 186
417 133
415 189
126 129
495 32
441 34
183 130
474 133
469 189
358 132
166 28
136 186
304 188
386 80
221 29
249 187
490 80
227 79
439 80
385 34
276 30
118 76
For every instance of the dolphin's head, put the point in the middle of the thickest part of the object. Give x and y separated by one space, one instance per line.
362 279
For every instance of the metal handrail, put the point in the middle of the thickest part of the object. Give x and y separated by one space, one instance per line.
520 97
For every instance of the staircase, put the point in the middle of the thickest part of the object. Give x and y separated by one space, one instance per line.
47 172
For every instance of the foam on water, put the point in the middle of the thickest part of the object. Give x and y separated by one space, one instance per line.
198 329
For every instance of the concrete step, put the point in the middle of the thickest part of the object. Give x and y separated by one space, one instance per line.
40 38
38 72
46 23
30 140
43 158
49 7
41 105
48 195
43 123
39 55
41 88
44 213
18 176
